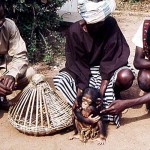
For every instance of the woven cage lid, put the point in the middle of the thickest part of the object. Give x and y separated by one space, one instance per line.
40 110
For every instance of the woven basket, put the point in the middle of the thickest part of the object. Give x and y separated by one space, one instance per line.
40 110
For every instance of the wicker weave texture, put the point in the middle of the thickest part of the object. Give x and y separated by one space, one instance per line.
40 110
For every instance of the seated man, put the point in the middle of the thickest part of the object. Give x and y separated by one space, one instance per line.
142 63
96 55
142 56
14 71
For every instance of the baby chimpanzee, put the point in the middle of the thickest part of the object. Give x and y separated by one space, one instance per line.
86 118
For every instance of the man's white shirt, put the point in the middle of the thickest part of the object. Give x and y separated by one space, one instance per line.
138 37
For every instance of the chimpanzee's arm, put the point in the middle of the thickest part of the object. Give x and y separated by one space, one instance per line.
102 129
77 114
75 106
81 118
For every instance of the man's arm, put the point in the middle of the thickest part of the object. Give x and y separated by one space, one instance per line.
119 105
139 60
103 87
18 52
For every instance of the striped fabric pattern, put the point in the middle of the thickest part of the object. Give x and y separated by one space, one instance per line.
93 12
66 84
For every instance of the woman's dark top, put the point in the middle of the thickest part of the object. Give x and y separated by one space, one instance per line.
107 49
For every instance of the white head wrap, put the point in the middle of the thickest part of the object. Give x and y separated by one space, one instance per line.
93 12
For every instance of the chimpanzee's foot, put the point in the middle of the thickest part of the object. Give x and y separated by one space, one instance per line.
77 136
101 141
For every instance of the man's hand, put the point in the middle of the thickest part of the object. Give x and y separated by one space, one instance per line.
115 107
7 83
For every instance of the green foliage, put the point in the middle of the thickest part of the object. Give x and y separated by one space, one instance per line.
37 21
131 1
134 1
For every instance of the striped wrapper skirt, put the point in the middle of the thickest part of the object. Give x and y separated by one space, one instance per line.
66 85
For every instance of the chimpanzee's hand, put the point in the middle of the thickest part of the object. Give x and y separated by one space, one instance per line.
8 81
94 119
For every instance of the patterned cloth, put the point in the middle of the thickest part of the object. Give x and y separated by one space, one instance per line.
93 12
146 30
66 84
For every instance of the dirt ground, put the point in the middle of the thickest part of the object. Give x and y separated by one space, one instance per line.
135 123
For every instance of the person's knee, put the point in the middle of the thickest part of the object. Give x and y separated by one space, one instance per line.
30 73
125 79
144 80
23 81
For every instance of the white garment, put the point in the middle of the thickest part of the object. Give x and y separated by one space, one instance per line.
93 12
138 37
14 50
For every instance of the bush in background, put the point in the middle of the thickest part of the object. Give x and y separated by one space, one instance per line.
38 21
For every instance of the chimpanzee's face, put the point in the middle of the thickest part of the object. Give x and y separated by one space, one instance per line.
86 101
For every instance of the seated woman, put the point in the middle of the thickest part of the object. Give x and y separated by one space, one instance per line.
96 55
